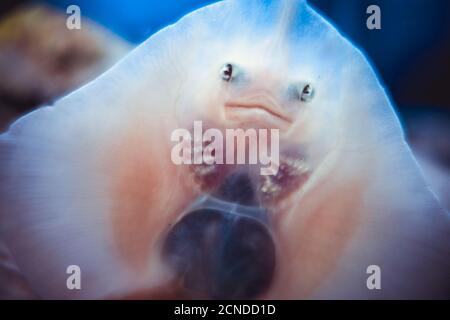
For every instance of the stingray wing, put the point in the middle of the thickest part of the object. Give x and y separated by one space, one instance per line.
87 180
368 203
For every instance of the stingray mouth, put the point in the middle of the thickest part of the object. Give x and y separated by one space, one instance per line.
294 171
265 112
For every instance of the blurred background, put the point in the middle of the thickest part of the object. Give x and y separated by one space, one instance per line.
41 60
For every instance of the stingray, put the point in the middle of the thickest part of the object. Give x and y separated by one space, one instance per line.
89 180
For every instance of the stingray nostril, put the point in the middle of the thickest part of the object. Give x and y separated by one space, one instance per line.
307 93
221 255
231 72
303 92
227 72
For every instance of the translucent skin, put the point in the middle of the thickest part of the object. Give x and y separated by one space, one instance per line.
89 180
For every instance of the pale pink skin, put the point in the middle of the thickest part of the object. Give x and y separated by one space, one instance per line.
105 191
